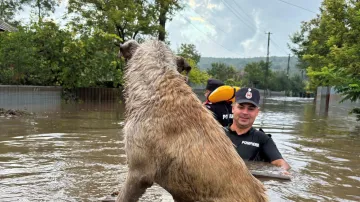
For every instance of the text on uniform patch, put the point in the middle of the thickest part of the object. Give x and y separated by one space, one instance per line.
250 143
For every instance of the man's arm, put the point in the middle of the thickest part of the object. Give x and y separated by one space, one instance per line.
281 163
272 152
212 109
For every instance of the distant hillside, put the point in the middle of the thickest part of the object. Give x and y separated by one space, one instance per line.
278 63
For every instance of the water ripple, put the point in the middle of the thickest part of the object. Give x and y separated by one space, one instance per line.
79 155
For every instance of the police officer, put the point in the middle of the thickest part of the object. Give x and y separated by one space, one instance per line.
251 144
221 110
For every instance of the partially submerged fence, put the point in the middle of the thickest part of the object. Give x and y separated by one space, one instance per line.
327 98
98 94
49 98
30 98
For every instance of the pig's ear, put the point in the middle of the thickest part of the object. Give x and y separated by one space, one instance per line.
182 65
127 49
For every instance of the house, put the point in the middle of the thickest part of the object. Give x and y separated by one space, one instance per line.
6 27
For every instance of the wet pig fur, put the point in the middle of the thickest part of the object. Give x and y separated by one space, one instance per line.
171 139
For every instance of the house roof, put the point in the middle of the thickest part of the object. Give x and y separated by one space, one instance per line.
6 27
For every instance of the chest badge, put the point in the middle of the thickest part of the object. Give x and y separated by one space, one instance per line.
248 95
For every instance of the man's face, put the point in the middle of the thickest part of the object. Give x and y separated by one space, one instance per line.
244 114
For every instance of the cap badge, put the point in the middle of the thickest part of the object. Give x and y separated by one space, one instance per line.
248 95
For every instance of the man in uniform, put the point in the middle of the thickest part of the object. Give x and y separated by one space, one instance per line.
251 144
221 110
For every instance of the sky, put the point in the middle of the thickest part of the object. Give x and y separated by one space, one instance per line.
234 28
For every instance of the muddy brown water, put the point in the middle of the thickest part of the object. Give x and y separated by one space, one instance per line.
75 153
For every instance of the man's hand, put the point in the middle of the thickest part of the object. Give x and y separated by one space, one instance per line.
281 163
285 173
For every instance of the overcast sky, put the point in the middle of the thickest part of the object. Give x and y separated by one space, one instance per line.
236 28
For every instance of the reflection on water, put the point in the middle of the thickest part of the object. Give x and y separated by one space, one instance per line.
76 154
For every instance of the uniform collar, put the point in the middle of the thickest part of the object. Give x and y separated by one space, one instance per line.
250 131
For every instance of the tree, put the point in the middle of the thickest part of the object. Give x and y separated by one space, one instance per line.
297 85
330 45
165 10
8 9
233 82
40 7
197 76
17 57
279 81
189 51
254 74
44 54
129 19
82 54
192 56
222 71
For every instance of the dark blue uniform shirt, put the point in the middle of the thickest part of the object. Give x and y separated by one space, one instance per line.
254 145
222 112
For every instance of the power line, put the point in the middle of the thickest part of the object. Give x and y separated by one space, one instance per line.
216 27
297 6
208 21
242 10
208 36
227 5
236 14
277 46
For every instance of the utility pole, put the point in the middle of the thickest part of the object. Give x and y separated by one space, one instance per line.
267 65
302 74
287 75
288 67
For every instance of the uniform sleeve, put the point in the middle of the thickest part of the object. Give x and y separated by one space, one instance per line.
212 110
270 150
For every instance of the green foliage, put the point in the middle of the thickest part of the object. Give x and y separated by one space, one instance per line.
279 81
329 47
357 112
16 57
233 82
297 85
197 76
42 7
222 71
84 53
254 74
164 10
100 60
8 9
126 18
278 63
351 91
226 73
44 54
189 51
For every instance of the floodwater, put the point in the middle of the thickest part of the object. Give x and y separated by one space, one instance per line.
75 153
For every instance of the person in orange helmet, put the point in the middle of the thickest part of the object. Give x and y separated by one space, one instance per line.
221 110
